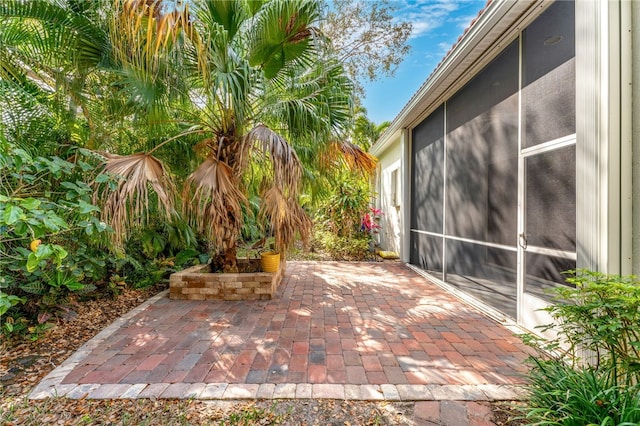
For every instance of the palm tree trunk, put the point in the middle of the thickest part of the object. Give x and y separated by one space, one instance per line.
229 152
230 260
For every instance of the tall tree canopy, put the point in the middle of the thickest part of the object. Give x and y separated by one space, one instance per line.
366 37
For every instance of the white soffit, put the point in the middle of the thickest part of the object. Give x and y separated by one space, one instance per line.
497 25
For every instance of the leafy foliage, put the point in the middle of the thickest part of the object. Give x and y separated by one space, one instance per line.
220 84
354 247
153 252
242 103
339 226
365 132
367 37
595 376
342 211
48 230
598 319
53 245
563 395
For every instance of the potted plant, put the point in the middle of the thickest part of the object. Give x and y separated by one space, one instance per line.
268 255
270 261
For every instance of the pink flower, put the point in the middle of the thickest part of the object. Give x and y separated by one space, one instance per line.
370 221
367 223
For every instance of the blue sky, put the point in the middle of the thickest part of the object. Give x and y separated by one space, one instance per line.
437 24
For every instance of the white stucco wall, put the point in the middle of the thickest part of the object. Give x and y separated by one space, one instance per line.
635 25
390 161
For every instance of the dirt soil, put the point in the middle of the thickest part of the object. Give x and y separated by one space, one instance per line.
24 363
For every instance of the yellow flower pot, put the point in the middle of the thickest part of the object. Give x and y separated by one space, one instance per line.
270 261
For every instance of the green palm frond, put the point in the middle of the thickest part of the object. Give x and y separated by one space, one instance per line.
59 32
11 35
225 77
283 32
311 102
230 14
228 97
26 114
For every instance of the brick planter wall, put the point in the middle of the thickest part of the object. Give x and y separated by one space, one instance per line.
197 283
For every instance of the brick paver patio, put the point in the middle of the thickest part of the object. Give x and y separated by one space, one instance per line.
334 330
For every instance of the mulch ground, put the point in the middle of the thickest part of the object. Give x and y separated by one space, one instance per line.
24 363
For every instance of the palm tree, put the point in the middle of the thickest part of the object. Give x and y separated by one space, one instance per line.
365 131
258 77
251 80
46 50
57 59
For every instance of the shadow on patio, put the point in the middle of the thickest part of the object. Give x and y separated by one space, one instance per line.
331 323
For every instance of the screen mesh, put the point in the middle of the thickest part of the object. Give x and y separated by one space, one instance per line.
475 197
544 273
426 252
551 199
485 272
482 154
549 91
428 173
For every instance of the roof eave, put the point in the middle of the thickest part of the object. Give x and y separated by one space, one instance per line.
484 27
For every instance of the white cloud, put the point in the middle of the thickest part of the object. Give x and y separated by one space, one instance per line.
427 15
432 55
464 21
444 47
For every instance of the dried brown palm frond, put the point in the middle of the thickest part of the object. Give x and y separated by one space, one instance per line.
143 29
127 206
287 169
351 154
213 203
285 216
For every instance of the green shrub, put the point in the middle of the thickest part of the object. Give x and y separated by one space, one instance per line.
599 319
50 243
344 222
590 373
354 247
565 395
342 212
53 246
154 252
